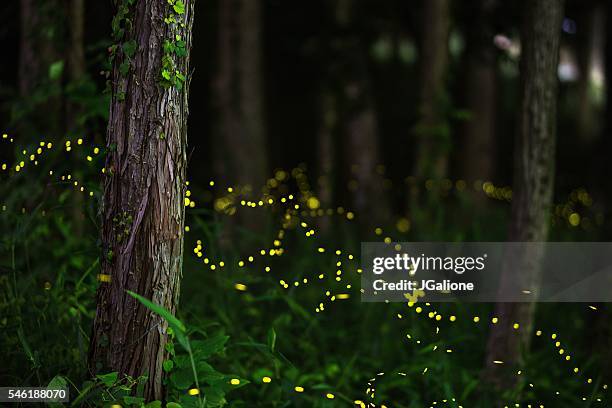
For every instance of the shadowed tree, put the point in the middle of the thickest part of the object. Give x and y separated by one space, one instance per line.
144 186
432 130
534 173
40 65
240 141
480 92
358 121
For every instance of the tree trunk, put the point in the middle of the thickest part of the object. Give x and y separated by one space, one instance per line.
588 36
75 55
359 125
143 203
480 92
41 26
533 185
75 58
432 130
326 149
241 157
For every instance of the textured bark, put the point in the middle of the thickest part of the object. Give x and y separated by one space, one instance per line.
143 209
480 93
533 185
433 144
240 140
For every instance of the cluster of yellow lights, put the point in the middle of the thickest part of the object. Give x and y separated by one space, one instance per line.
307 204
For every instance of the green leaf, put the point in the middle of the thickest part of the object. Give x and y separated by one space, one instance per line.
57 382
133 400
173 405
203 349
271 339
129 47
124 67
179 7
56 69
108 379
168 365
154 404
182 378
176 325
169 47
166 74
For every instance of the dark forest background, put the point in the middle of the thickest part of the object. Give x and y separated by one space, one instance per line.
387 120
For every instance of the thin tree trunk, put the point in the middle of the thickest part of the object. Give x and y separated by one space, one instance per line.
533 185
75 58
326 148
589 34
238 92
360 125
480 90
75 55
41 24
143 208
432 130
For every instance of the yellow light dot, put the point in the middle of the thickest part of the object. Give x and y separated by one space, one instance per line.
452 318
194 391
476 319
240 286
515 326
330 395
494 320
313 203
299 389
574 219
234 381
350 215
419 310
266 380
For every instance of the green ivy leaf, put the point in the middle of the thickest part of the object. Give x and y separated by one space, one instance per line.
124 67
168 365
166 74
129 47
179 7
